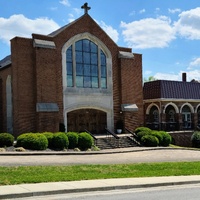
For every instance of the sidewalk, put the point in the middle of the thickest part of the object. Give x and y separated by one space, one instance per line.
39 189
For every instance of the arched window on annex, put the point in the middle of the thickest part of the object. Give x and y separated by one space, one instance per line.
171 111
152 113
187 119
197 111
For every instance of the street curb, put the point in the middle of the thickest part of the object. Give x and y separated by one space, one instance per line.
106 188
39 153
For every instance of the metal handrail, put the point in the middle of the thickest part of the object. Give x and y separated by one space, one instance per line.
112 133
132 133
91 134
135 137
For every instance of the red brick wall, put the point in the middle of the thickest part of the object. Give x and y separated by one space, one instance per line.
131 90
182 138
37 77
23 84
3 116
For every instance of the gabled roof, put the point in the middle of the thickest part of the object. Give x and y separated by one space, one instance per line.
56 32
5 61
171 90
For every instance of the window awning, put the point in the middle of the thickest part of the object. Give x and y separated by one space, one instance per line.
129 107
44 44
123 54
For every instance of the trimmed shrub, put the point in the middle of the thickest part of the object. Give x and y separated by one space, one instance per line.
33 141
49 136
60 141
196 139
159 135
149 141
167 139
6 139
85 141
73 139
143 133
139 129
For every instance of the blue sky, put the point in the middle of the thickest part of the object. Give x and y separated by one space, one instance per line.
166 33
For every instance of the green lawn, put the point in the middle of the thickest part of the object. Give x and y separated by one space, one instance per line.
36 174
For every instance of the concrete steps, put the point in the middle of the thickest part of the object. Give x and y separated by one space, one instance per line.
111 142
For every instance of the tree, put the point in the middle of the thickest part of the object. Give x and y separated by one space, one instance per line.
151 78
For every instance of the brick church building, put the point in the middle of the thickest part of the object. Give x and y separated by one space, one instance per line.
75 78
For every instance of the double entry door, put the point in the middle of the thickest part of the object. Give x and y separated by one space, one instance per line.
93 120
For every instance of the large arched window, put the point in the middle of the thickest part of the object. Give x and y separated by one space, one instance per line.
86 65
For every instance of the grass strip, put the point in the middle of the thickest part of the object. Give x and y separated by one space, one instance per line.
37 174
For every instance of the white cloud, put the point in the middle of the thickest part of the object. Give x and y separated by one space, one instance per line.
194 63
132 13
142 11
174 10
71 18
19 25
110 31
78 11
157 9
75 14
148 33
147 72
194 74
53 8
167 76
65 2
188 24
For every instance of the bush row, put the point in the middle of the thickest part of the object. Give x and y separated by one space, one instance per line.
42 141
152 138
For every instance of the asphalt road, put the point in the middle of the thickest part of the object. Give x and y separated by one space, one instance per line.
160 155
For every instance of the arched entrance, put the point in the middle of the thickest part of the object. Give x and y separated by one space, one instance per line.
93 120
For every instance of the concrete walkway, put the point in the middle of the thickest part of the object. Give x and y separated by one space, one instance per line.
128 155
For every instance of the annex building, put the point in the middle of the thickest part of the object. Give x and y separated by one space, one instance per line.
172 105
75 78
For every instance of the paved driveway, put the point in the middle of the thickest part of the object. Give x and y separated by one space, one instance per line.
159 155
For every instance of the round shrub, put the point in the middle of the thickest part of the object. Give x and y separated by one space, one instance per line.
149 141
143 133
60 141
6 139
33 141
73 139
196 139
167 139
49 136
85 141
139 129
159 135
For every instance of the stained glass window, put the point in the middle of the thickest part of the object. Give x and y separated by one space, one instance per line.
89 65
